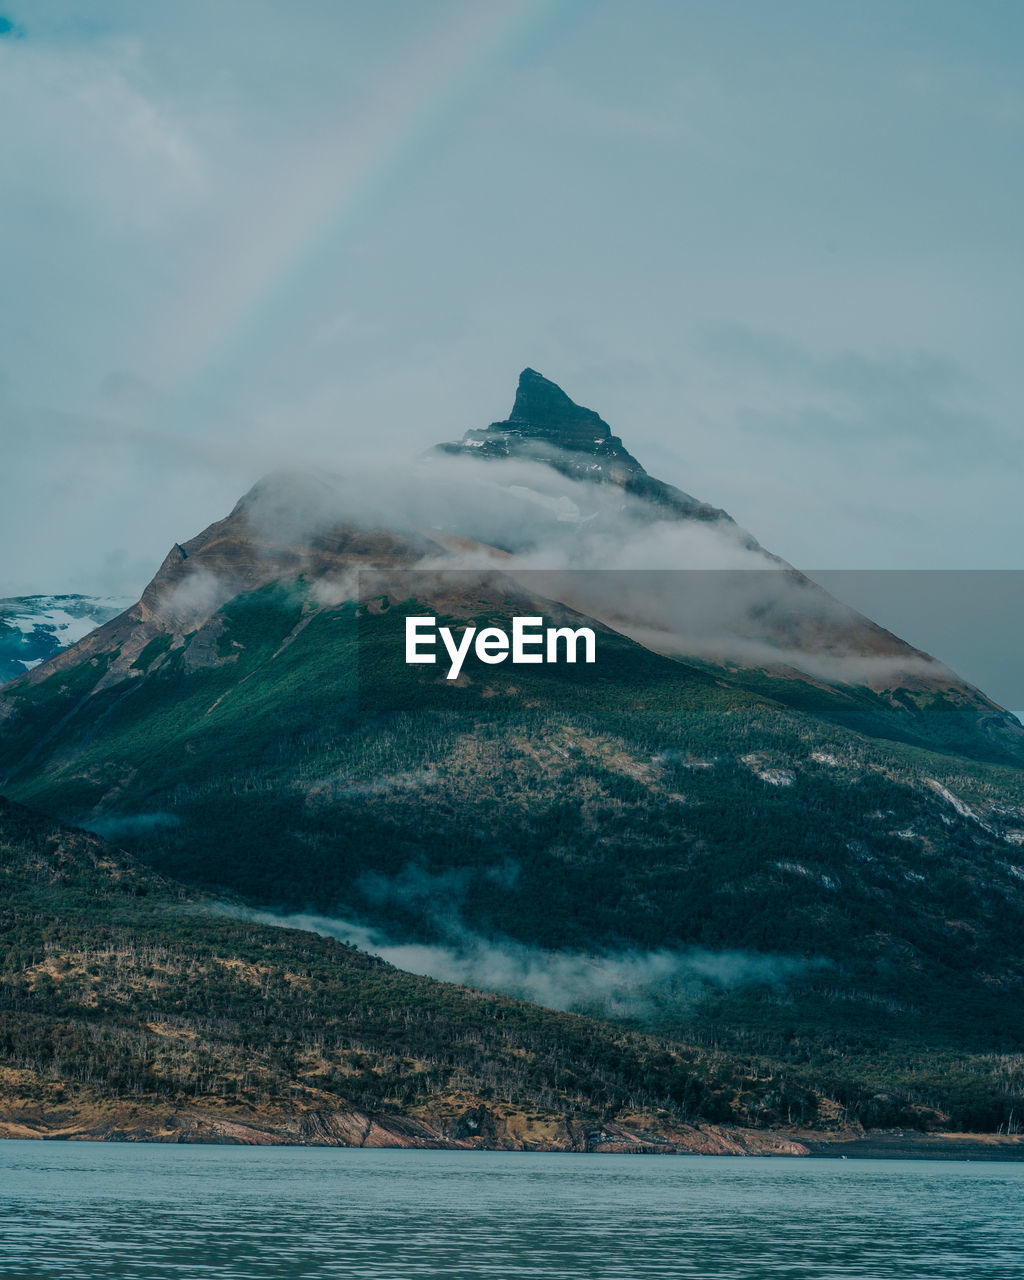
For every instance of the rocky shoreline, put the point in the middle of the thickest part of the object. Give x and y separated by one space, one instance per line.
478 1127
469 1128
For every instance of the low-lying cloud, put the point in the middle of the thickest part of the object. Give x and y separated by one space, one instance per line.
613 984
685 587
131 825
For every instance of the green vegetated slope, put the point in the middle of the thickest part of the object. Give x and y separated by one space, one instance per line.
131 1008
119 984
637 806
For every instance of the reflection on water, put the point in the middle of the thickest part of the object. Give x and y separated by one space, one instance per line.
88 1211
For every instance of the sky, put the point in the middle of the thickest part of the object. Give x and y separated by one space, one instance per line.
778 247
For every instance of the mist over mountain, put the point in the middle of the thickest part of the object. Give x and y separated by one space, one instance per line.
553 489
757 805
230 1031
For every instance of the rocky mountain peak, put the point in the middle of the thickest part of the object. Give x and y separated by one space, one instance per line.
544 418
545 425
543 411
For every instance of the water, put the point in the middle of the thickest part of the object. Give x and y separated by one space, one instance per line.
88 1211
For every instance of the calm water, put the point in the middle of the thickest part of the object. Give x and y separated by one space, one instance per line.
86 1210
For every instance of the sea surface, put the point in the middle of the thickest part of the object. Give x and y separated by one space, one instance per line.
91 1211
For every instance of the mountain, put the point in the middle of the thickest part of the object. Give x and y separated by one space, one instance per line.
34 628
790 830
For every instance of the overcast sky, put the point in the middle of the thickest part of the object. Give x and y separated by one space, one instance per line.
776 245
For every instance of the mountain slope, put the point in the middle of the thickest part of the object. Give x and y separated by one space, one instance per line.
136 1010
310 768
133 1010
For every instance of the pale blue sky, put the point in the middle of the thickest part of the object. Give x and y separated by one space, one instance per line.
776 245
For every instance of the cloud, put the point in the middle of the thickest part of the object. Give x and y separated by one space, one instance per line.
686 588
90 139
132 826
93 503
615 984
420 888
124 395
516 505
196 595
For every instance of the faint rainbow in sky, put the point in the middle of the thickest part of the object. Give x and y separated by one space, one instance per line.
330 181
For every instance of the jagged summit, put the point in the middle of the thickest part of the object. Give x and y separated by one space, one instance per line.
546 425
543 411
543 417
